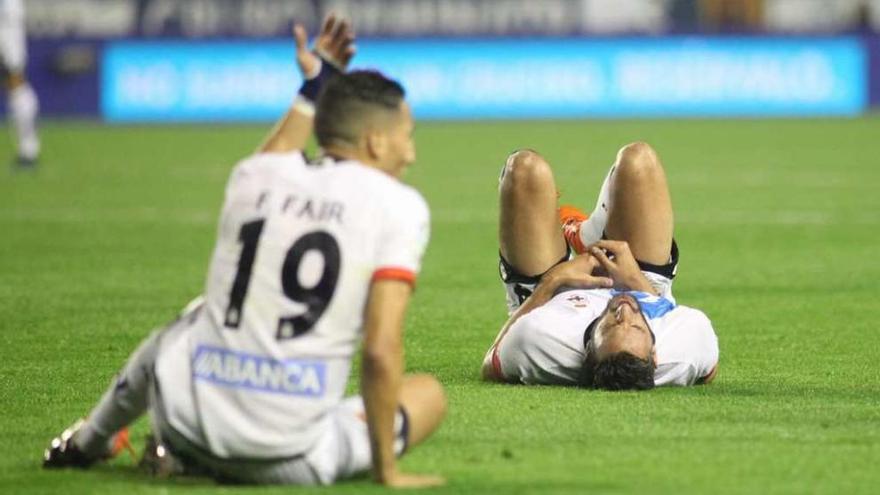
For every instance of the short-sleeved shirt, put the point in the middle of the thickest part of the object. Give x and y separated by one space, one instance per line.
270 353
546 346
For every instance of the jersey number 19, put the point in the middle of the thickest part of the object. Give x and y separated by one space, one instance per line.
315 298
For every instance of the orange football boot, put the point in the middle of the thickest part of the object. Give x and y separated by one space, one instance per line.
63 453
571 219
122 442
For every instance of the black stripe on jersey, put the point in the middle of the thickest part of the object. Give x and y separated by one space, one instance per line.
588 333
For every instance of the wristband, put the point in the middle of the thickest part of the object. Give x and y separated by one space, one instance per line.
304 106
313 82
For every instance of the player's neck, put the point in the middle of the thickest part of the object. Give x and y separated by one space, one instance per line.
344 153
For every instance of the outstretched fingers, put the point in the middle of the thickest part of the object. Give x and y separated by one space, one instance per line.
301 37
339 33
329 24
348 49
336 41
308 63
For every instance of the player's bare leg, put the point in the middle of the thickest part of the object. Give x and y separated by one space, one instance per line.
529 231
640 209
423 399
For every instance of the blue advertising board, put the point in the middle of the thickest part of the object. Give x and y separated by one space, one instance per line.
511 78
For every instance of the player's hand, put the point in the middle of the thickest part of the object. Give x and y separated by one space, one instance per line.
620 264
335 44
576 273
402 480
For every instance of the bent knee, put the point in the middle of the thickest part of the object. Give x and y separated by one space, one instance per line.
527 168
431 391
638 160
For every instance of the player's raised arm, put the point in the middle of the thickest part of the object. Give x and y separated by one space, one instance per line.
333 50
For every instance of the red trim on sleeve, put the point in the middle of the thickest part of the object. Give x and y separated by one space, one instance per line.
496 364
395 273
709 376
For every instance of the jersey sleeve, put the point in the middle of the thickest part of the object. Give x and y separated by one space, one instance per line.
405 231
533 353
691 354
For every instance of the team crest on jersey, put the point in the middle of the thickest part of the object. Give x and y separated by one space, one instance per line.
259 373
577 301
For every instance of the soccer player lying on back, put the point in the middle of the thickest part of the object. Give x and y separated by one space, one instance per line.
605 318
247 386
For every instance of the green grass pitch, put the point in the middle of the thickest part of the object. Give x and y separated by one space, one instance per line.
779 225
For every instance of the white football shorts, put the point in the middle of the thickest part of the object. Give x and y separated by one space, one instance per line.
342 451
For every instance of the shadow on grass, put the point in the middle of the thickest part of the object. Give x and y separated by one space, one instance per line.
767 386
119 478
781 391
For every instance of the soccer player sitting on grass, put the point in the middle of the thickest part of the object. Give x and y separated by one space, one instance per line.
605 318
247 385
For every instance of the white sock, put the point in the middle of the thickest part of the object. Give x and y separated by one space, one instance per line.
23 109
593 228
124 401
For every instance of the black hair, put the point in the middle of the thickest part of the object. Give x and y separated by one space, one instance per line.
619 371
348 103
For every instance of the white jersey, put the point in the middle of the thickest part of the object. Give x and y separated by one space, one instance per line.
270 352
546 346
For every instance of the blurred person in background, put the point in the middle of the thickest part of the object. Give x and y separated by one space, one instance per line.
821 16
21 100
786 16
627 16
731 15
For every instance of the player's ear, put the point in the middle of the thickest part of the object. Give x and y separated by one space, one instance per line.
377 144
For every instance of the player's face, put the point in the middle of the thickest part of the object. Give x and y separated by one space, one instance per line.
401 148
622 327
